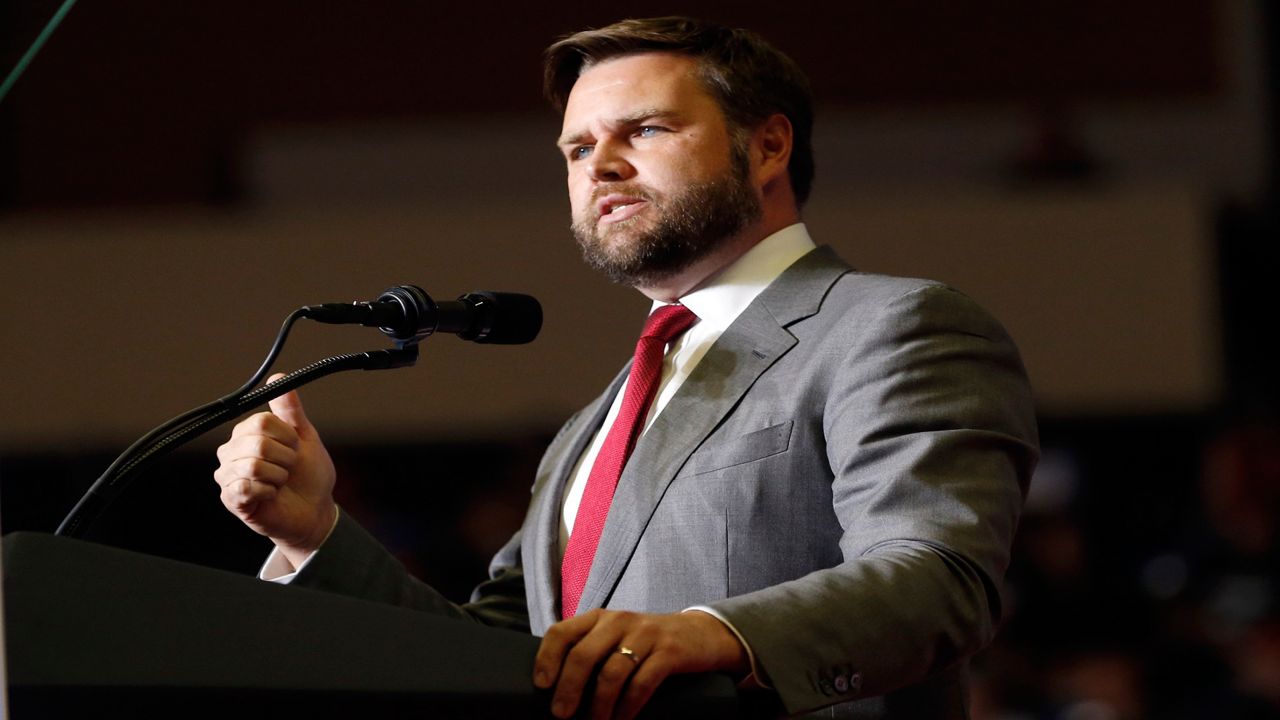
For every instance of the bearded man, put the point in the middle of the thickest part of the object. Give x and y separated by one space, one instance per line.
808 477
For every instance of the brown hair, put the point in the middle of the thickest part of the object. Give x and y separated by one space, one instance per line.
749 78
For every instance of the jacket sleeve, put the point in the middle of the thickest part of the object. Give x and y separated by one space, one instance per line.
351 562
931 440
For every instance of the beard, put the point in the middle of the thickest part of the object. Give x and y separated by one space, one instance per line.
690 224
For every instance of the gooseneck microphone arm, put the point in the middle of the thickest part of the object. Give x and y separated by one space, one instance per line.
188 426
483 317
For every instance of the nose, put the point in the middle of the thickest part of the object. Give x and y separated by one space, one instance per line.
608 164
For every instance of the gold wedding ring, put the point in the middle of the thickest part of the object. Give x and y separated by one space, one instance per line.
629 654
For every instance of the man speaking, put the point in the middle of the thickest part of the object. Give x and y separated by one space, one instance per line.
808 477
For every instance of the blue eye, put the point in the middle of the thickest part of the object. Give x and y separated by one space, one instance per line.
648 131
579 153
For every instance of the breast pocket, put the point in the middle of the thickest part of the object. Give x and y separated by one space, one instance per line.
751 447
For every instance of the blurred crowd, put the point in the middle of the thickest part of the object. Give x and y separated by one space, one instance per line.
1178 622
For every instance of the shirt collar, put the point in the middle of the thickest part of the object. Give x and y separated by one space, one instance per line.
720 300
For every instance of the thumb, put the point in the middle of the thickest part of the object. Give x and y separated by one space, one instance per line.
288 407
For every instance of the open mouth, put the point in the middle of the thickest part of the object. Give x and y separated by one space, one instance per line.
616 208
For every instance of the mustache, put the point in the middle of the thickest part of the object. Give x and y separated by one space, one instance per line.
624 188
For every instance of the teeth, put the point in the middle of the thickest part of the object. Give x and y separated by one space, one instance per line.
616 208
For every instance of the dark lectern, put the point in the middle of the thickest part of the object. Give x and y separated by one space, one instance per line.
101 631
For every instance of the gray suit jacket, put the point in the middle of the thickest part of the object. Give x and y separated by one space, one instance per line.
840 478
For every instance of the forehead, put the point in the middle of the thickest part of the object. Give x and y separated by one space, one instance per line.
619 87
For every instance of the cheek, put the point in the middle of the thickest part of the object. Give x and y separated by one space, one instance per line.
576 200
674 170
579 193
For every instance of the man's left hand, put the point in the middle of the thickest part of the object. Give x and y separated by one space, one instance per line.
630 655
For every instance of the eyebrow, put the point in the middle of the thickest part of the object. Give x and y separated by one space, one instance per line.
633 118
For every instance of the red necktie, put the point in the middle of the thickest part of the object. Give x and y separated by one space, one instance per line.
664 325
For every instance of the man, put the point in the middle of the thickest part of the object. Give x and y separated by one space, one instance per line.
817 490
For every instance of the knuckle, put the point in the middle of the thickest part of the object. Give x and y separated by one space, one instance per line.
613 618
224 476
612 674
243 468
259 469
243 490
669 649
577 655
237 495
237 501
643 686
261 446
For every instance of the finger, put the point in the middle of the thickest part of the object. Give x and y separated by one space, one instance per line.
257 447
251 469
264 424
555 644
243 496
610 680
288 407
644 682
581 662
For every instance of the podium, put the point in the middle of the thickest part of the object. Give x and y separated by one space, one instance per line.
99 630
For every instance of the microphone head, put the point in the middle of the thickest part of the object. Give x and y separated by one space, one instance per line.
503 318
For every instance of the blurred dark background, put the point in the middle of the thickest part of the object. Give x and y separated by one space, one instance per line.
174 178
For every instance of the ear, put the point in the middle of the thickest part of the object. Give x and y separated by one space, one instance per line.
771 150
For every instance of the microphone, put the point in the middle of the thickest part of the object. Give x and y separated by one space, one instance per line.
408 315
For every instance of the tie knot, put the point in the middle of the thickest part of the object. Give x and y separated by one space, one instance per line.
667 322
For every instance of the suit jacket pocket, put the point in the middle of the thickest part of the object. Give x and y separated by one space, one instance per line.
753 446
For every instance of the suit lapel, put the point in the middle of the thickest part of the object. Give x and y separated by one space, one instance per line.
747 348
541 547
